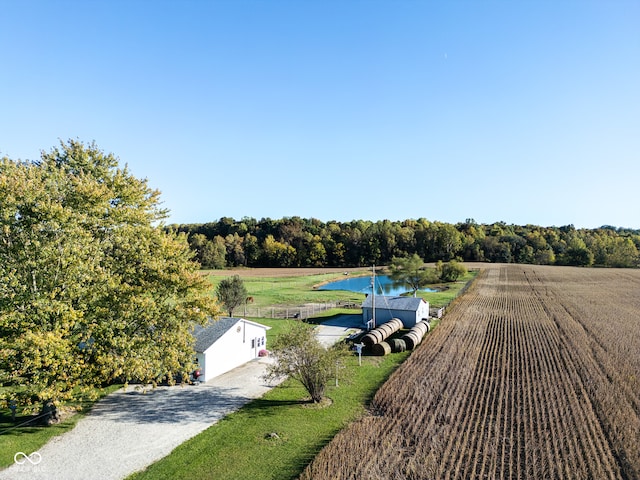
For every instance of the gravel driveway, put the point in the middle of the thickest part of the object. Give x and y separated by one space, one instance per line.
129 430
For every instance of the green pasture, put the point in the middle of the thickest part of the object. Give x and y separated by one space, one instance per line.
267 292
448 291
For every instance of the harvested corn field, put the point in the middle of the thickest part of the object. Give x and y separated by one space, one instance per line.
532 374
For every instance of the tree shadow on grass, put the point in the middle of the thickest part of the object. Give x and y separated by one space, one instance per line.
262 407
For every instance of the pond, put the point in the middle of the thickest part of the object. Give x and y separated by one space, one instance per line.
384 286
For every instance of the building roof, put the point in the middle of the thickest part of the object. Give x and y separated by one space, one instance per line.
214 329
394 303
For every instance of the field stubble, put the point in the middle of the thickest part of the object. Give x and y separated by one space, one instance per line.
533 373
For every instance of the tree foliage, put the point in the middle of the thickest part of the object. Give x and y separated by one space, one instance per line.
231 293
92 289
450 271
300 355
299 242
411 272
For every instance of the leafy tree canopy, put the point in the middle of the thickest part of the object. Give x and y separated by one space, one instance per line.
301 356
299 242
231 293
92 289
411 272
450 271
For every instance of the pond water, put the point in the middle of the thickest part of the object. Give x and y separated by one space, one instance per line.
384 286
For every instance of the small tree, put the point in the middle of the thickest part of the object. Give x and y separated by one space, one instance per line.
411 272
231 293
450 271
301 356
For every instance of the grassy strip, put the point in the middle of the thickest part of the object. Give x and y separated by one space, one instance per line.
271 291
299 290
24 436
240 445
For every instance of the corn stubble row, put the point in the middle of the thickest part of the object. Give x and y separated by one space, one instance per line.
532 374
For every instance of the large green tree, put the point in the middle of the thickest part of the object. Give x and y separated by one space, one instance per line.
92 289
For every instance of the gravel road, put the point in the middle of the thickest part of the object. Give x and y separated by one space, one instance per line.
129 430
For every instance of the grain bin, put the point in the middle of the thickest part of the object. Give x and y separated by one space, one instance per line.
381 349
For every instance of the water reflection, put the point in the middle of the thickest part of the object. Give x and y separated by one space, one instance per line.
384 286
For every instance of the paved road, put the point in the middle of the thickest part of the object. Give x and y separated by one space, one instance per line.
129 430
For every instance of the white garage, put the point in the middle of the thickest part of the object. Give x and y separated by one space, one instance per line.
227 343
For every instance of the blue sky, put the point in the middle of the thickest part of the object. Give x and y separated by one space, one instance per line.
526 112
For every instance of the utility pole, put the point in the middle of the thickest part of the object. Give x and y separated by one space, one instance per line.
373 295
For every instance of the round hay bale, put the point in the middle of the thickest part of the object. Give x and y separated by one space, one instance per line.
377 334
397 345
381 349
385 331
421 328
396 324
412 340
368 339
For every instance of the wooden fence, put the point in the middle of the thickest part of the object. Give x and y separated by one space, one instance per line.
300 311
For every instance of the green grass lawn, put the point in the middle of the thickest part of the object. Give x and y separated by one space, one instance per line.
239 446
267 292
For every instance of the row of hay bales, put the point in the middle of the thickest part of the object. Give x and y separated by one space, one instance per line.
410 340
384 331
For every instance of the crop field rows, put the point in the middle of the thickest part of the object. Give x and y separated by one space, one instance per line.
532 374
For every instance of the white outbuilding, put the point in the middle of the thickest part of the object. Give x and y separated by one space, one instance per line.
224 344
408 309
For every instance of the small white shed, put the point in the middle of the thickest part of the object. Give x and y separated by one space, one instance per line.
227 343
408 309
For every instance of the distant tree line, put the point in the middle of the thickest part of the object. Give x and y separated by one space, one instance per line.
308 242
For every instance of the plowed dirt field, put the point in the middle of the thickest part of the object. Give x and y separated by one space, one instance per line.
533 373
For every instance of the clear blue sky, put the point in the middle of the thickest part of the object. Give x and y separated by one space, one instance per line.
526 112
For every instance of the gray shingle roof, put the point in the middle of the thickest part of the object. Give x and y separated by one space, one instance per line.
393 303
212 331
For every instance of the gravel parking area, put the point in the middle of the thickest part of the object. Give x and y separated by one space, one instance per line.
129 430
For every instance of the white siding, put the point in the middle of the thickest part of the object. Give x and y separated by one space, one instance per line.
237 346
